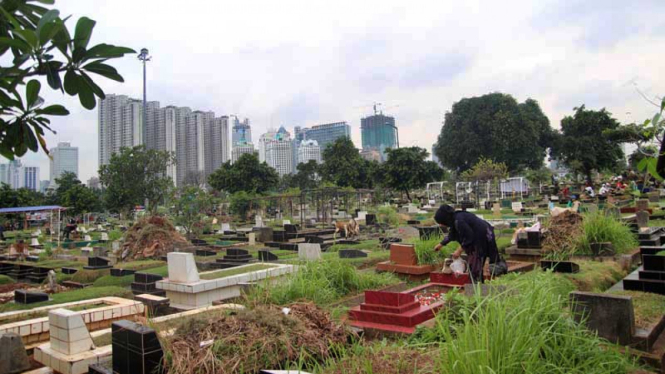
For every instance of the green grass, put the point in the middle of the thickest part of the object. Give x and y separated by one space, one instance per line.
648 307
140 265
235 271
426 254
596 276
661 253
71 296
599 228
371 245
6 280
321 282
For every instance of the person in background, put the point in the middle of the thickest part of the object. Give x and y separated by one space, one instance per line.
2 232
476 238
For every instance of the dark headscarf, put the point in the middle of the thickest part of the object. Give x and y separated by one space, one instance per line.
445 215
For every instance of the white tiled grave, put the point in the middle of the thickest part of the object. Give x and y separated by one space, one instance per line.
101 313
186 290
70 350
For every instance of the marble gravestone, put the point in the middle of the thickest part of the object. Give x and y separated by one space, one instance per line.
496 209
252 238
309 251
182 267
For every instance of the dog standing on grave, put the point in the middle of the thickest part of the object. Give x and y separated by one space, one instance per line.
351 229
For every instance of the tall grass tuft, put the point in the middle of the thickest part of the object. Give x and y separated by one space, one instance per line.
426 254
388 214
599 228
321 282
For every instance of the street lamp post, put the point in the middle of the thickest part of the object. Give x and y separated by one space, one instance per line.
144 57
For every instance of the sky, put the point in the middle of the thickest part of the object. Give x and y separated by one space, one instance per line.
297 63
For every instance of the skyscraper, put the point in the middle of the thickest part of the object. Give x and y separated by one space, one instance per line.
264 139
241 149
242 132
216 143
64 158
29 178
309 150
378 133
119 121
279 152
327 133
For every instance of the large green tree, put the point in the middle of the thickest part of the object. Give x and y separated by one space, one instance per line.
343 165
34 42
135 175
191 205
80 199
21 197
583 144
494 126
246 174
306 177
407 169
64 182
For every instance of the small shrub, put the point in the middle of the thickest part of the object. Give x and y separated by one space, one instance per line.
600 228
388 215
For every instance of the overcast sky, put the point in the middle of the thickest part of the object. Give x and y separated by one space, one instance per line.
297 63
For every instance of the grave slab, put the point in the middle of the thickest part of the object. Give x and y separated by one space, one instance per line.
352 253
182 267
309 251
611 316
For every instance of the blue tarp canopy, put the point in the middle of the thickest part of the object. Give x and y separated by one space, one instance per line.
28 209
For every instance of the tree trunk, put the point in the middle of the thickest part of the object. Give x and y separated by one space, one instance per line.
408 197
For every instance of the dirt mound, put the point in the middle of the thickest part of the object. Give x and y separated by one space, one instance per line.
253 340
562 233
151 237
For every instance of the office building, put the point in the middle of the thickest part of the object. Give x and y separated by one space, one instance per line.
4 174
309 150
16 175
264 139
241 149
29 178
241 132
44 186
119 121
279 156
64 158
327 133
379 132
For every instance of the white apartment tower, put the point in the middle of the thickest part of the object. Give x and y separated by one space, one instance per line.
241 149
264 139
64 158
309 150
119 121
279 156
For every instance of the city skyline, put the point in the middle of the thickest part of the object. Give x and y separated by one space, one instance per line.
331 63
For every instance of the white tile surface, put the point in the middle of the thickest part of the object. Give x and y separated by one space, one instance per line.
182 268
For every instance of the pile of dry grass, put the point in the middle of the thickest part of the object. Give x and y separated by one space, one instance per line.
562 233
151 237
252 340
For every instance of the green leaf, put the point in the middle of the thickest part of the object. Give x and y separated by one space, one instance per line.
642 164
107 51
48 32
29 138
71 82
95 88
26 35
14 43
53 110
61 41
104 70
53 74
86 97
656 119
32 92
662 104
47 18
83 32
651 168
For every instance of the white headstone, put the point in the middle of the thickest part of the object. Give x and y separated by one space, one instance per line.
214 221
226 227
252 238
82 229
286 222
99 227
362 215
182 267
86 251
34 242
87 238
259 222
105 236
309 251
115 245
517 206
68 332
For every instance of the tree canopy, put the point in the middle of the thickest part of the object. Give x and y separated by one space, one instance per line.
583 144
33 34
494 126
407 169
343 165
135 175
486 170
246 174
191 205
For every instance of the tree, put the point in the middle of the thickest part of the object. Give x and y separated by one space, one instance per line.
406 169
191 206
641 153
584 145
496 127
13 198
247 174
80 199
33 34
485 170
306 177
194 178
342 164
538 176
65 182
135 175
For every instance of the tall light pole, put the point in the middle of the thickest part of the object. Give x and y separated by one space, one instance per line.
143 56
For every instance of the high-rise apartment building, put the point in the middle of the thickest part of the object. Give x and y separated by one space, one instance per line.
379 132
242 132
279 152
119 121
216 143
64 158
327 133
241 149
4 174
264 139
30 178
309 150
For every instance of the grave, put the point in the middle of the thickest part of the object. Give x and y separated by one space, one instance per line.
611 316
650 277
370 219
309 251
13 358
136 349
560 266
403 261
251 238
105 237
198 242
398 312
145 283
69 271
650 236
265 255
186 290
97 263
362 215
496 210
387 241
642 218
154 303
29 297
121 272
263 234
642 204
234 257
352 253
71 349
205 253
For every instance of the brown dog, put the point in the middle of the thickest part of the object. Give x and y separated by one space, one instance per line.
351 229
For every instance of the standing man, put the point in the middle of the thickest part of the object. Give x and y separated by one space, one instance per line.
476 238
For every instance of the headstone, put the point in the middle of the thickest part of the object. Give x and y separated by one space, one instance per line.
37 233
52 283
613 212
68 332
642 218
286 222
99 251
517 206
266 255
403 254
136 349
611 315
226 227
496 209
289 228
258 221
351 253
654 197
182 267
115 245
86 251
87 238
97 263
29 297
362 215
252 238
309 251
642 204
370 219
592 208
264 234
105 236
34 242
13 358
